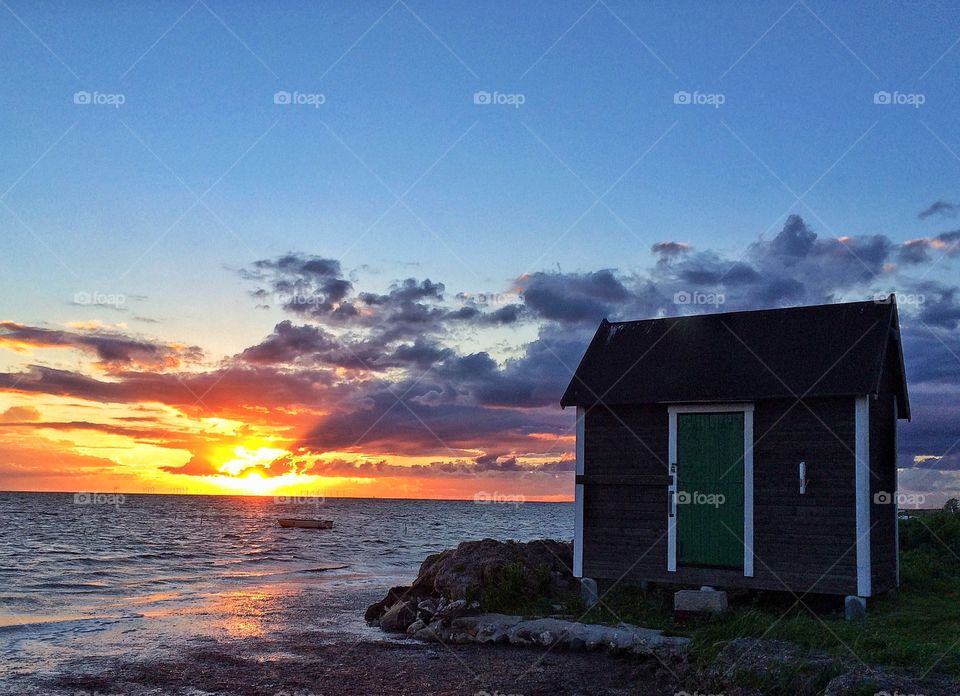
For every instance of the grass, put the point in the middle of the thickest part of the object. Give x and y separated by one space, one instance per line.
915 628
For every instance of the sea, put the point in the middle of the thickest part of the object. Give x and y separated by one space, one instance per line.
87 577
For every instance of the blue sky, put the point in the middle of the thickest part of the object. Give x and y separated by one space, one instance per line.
598 82
167 197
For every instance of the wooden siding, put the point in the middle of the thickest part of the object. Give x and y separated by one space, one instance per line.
803 543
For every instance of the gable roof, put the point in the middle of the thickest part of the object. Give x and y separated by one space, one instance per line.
825 350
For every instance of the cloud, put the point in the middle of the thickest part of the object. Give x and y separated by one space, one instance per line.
939 208
670 248
573 297
917 251
20 413
413 371
113 350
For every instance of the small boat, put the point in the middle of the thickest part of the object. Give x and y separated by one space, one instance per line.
305 524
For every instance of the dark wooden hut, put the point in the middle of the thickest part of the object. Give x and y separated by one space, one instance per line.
742 450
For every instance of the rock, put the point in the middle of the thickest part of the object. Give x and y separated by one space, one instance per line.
415 626
488 628
398 617
792 670
860 680
498 628
453 610
378 609
464 572
426 610
699 602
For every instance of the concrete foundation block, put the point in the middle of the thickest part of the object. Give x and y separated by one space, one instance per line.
589 594
854 607
700 601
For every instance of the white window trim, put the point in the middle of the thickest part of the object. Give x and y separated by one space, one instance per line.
747 410
578 499
862 455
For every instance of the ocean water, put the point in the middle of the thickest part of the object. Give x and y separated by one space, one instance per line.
82 581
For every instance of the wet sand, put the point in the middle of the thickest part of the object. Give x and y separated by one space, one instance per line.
302 667
295 639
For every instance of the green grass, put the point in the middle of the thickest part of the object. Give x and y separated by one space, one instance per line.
914 628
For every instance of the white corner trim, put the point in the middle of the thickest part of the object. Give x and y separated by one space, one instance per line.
748 493
862 453
747 410
578 499
672 495
896 491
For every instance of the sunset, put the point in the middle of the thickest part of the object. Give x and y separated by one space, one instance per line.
345 339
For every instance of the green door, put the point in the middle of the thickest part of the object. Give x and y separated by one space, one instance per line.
710 489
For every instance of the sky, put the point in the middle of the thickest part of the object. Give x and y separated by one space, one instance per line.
359 248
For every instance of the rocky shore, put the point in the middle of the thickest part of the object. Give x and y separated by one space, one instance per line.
454 598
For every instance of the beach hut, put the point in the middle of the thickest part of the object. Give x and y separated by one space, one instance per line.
748 449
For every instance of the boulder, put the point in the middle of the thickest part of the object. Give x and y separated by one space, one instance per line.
861 680
398 617
449 583
572 635
378 609
463 572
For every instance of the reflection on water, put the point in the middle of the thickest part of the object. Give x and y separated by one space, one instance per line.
156 571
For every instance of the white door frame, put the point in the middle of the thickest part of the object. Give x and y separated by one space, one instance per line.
747 410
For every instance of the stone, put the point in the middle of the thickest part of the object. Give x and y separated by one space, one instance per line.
572 635
854 607
378 609
398 617
699 602
415 626
426 609
454 609
466 570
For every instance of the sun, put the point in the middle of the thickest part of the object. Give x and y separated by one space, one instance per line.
245 457
255 484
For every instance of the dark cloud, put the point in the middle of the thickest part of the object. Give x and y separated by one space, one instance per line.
670 248
572 297
302 284
939 208
289 344
404 372
113 351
